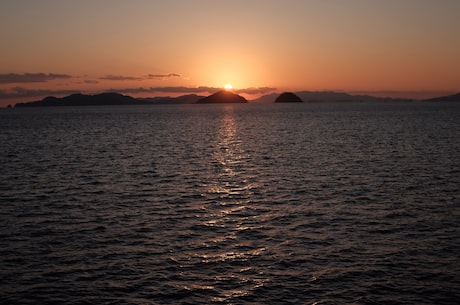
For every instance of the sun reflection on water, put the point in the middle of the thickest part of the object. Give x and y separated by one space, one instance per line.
229 159
230 242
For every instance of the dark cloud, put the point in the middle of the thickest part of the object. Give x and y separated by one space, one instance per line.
162 76
201 89
177 89
90 81
134 78
120 78
20 92
259 90
12 78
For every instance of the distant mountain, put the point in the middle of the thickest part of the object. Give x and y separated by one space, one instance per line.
331 96
85 100
448 98
222 96
264 99
79 99
326 96
184 99
288 97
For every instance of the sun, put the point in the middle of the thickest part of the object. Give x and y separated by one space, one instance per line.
228 86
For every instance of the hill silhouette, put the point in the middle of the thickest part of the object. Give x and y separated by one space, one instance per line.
448 98
288 97
222 96
78 99
328 96
108 98
264 99
184 99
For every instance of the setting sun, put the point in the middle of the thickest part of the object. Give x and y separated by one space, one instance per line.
305 50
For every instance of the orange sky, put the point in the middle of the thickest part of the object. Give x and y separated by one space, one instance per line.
153 48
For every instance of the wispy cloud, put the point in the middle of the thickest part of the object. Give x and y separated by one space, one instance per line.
120 78
139 78
259 90
176 89
163 76
90 81
12 78
20 92
185 90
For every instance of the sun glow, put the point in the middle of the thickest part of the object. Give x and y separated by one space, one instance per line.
228 86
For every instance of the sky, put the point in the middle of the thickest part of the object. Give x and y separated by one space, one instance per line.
149 48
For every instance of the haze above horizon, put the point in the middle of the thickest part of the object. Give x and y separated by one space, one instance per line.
153 48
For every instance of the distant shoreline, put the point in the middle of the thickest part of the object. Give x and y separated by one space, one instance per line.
113 98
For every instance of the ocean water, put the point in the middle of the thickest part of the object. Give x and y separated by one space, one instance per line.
346 203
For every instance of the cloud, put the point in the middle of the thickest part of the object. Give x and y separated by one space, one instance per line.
120 78
186 90
90 81
135 78
12 78
20 92
176 89
259 90
163 76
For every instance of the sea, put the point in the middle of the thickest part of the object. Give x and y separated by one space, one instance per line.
311 203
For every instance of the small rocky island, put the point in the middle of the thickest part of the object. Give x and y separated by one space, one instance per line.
288 97
222 96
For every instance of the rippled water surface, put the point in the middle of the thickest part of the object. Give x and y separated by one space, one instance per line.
231 204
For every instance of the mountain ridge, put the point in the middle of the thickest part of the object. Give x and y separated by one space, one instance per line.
447 98
79 99
327 96
222 96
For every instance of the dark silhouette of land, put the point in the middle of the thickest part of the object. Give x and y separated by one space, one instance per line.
184 99
288 97
222 96
448 98
329 96
109 99
85 100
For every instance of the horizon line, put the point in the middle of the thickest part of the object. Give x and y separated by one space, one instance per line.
351 93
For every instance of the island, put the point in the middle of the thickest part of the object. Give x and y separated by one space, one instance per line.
288 97
78 99
222 96
219 97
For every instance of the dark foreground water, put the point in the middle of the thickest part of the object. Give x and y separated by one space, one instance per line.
231 204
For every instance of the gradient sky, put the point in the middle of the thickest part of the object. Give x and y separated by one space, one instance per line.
158 48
